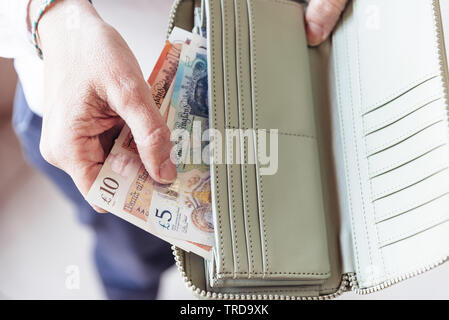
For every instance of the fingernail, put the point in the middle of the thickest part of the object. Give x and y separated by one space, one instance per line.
167 171
315 34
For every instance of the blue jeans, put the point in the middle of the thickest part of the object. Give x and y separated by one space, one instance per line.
129 261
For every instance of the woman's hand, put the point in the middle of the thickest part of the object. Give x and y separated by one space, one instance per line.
321 17
93 85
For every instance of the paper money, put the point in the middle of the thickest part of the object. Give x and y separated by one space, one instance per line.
165 107
164 72
162 77
179 213
125 188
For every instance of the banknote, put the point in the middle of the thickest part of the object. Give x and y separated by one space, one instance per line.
125 188
165 107
189 109
190 102
179 213
164 72
161 79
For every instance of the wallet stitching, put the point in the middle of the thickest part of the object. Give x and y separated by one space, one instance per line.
256 102
190 262
354 234
244 169
231 171
282 133
275 273
299 135
368 164
293 291
300 290
212 26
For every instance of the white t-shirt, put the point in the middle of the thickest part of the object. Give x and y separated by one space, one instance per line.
142 23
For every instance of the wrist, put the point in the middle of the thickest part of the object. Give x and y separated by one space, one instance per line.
63 21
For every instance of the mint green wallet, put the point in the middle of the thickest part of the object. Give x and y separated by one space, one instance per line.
360 200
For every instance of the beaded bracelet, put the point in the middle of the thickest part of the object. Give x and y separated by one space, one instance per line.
44 7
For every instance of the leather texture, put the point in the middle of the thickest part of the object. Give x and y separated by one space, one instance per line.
363 179
270 230
390 82
275 234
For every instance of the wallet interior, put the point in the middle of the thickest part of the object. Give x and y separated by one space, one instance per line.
275 234
362 185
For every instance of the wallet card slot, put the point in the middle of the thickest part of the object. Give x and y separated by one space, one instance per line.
421 127
417 252
421 89
233 160
280 98
219 180
295 242
412 197
245 113
406 128
414 222
292 223
379 61
386 51
409 150
427 93
411 173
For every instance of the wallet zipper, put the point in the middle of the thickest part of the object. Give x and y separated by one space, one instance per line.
353 283
345 285
349 280
172 16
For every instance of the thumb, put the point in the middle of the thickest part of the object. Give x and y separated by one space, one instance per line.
135 105
321 17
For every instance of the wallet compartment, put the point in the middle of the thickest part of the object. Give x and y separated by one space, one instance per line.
283 214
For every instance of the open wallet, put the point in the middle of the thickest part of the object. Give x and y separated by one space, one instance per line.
360 198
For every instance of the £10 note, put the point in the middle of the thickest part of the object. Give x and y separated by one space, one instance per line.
179 213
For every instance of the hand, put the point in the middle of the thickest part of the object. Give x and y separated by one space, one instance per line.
93 85
321 17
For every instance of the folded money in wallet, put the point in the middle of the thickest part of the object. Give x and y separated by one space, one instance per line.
350 192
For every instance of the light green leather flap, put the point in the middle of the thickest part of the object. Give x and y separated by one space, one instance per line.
252 85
